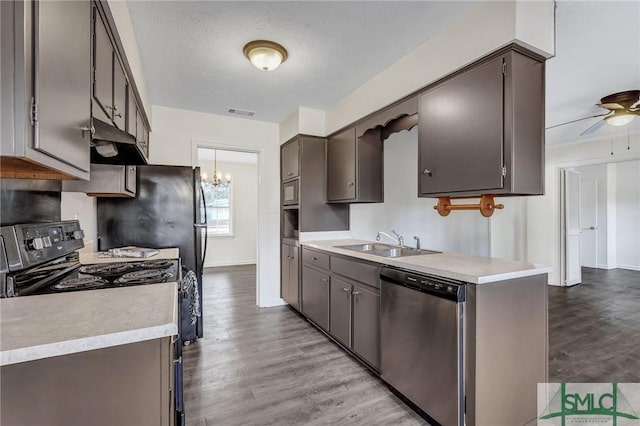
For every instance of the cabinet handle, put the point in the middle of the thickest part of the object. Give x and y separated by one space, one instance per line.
324 280
290 174
355 293
118 114
427 172
112 107
315 259
346 289
350 184
88 129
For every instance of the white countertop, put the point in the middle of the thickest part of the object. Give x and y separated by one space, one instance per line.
90 258
471 269
43 326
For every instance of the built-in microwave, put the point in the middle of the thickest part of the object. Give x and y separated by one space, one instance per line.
290 192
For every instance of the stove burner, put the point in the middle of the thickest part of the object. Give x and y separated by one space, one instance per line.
148 276
84 283
155 264
106 269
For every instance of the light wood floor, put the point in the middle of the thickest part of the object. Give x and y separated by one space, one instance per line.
268 366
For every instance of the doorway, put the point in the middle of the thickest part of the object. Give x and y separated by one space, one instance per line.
609 217
230 183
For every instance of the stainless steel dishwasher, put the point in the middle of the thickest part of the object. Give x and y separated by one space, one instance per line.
421 339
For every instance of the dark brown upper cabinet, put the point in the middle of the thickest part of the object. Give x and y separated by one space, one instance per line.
355 167
290 158
102 70
482 129
304 195
110 83
45 118
132 113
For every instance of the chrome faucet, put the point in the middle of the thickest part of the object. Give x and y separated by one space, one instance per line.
415 237
398 239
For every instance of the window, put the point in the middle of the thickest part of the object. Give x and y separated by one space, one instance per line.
218 203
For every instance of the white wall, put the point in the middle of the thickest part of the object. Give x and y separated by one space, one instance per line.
176 132
486 27
543 213
76 205
628 215
402 210
239 248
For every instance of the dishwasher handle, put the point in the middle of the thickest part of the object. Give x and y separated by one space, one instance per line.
437 286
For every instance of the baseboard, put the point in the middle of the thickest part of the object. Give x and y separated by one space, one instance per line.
234 263
629 267
604 266
272 302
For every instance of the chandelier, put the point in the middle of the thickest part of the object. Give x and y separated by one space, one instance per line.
217 179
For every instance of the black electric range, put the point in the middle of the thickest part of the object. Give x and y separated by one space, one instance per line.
41 259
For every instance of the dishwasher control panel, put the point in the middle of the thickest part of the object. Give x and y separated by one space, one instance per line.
443 287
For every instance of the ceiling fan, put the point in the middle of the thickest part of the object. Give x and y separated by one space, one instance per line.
623 108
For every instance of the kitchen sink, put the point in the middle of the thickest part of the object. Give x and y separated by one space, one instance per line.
386 250
368 247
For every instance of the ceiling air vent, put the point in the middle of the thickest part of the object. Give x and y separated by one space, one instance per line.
243 112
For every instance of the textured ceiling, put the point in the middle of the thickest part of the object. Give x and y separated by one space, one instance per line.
597 54
192 50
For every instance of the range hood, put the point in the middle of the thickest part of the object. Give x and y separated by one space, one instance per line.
111 145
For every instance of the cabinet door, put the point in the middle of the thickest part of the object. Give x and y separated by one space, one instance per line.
132 112
140 133
103 70
145 146
119 95
291 160
63 81
341 166
366 325
340 311
284 273
294 264
315 296
461 132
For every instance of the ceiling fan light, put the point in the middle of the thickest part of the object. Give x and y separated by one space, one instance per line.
620 119
265 55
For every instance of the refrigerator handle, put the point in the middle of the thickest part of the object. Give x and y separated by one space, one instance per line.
204 207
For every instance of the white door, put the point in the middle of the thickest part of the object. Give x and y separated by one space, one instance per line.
589 223
571 227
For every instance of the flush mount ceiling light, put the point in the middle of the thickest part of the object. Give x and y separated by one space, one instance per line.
265 55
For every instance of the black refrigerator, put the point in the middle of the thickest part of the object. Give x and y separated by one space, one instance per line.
167 211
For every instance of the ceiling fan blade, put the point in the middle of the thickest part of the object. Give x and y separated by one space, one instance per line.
574 121
593 128
611 106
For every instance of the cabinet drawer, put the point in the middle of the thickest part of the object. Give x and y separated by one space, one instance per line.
364 272
314 258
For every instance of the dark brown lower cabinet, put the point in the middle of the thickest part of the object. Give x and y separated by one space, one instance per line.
366 325
289 274
315 296
340 312
355 319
